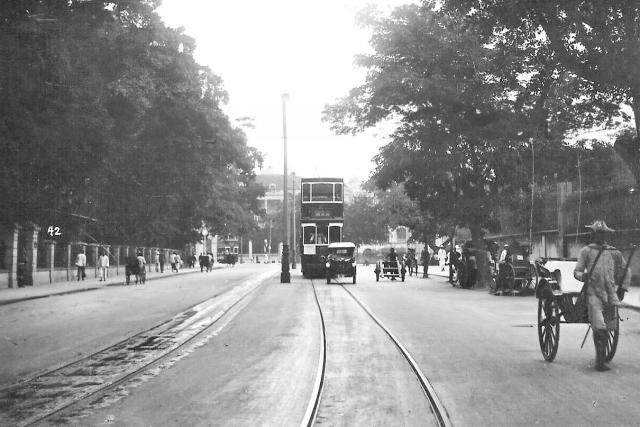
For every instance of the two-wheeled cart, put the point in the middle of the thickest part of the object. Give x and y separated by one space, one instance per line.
517 275
390 269
556 306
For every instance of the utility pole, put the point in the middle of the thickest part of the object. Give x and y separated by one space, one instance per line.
285 275
293 246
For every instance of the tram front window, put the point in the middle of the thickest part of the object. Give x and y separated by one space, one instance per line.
322 193
334 234
306 192
309 235
338 192
323 232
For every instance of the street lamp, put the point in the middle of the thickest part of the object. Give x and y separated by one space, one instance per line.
285 275
204 233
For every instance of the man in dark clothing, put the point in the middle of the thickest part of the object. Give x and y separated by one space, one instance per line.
162 261
454 258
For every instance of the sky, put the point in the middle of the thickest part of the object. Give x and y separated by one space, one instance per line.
262 49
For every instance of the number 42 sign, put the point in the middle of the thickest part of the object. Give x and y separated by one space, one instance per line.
53 231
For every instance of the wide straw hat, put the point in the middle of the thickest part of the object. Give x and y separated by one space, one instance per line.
599 225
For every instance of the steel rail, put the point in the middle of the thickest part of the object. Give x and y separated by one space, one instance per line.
121 342
314 404
135 372
438 409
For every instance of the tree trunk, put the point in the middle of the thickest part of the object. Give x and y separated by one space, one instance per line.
629 150
635 106
482 259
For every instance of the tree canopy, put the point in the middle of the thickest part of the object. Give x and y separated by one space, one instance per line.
472 110
110 127
595 43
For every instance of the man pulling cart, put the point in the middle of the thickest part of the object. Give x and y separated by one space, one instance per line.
605 276
604 272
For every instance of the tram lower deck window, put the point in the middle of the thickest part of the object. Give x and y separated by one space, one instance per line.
309 237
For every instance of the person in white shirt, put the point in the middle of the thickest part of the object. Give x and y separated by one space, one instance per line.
173 258
142 269
442 257
103 263
81 263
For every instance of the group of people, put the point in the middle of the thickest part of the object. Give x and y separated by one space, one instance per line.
81 265
103 263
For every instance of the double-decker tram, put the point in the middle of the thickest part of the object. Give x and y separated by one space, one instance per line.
321 221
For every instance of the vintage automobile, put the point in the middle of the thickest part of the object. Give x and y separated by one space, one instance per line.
340 261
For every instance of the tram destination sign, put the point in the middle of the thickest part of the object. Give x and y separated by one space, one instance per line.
322 213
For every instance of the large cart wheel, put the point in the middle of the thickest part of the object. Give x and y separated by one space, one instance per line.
612 338
462 275
548 325
528 285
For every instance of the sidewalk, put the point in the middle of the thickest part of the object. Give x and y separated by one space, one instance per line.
13 295
631 298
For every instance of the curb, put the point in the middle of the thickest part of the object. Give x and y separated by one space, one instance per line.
90 288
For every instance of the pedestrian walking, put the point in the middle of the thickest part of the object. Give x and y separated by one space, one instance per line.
157 261
602 268
173 258
442 257
178 262
426 258
81 263
103 264
162 261
142 269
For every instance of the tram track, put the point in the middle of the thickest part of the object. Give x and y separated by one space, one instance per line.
61 390
437 408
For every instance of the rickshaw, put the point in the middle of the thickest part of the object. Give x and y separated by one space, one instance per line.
390 270
556 306
517 275
132 266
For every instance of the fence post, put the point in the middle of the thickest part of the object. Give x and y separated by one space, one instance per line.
564 189
13 260
51 247
32 254
117 260
68 262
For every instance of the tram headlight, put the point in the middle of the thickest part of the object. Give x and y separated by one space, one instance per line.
328 264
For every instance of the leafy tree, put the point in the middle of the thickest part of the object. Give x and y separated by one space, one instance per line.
113 129
364 222
457 151
594 43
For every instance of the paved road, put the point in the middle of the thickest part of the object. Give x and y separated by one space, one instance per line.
257 367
